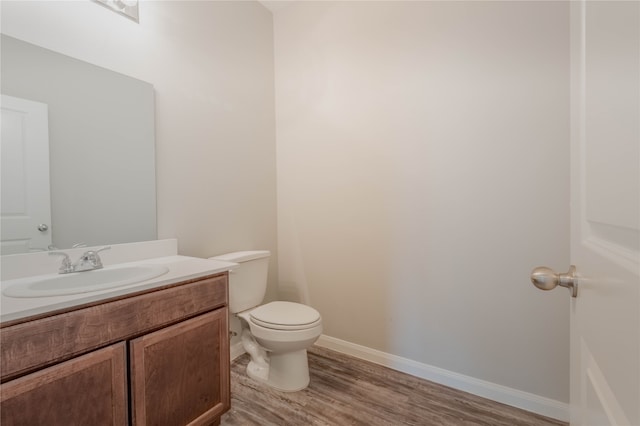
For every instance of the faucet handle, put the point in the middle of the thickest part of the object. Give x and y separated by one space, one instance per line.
96 258
65 266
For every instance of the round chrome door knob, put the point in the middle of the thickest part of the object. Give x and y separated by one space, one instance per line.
546 279
42 227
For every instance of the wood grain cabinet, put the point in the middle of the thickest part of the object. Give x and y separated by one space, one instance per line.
87 390
178 375
158 357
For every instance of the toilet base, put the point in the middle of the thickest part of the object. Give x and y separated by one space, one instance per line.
286 372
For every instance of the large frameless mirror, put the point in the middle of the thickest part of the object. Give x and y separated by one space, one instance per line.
94 130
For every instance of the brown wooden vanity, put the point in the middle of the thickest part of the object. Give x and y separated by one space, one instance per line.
157 357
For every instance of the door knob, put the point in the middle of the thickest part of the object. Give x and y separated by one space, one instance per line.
42 227
546 279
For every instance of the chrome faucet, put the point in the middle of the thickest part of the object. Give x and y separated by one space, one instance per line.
89 261
65 266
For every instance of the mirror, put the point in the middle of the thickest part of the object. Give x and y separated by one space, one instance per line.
101 149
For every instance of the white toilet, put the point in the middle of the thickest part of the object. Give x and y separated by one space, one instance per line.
276 335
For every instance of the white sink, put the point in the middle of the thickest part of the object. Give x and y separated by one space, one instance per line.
82 282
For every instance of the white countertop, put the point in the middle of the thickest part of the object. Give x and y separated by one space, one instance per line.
181 268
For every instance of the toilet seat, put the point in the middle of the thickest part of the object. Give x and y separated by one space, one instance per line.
285 316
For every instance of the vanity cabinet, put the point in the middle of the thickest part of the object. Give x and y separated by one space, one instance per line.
157 357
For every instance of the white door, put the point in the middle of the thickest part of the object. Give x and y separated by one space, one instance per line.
25 204
605 212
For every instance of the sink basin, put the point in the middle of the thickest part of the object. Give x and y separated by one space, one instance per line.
82 282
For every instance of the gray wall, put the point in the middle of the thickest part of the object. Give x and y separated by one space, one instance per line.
422 174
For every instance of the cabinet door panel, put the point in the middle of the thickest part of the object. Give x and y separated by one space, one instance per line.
180 374
87 390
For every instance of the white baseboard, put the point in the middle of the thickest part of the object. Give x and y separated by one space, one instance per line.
503 394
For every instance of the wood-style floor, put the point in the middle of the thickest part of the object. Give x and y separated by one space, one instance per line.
348 391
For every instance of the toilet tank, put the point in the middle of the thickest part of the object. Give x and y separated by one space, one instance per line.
248 281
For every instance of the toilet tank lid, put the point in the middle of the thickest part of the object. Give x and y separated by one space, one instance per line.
242 256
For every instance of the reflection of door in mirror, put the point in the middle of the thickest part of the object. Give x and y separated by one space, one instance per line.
25 208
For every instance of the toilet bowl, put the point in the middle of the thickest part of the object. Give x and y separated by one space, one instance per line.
283 365
276 335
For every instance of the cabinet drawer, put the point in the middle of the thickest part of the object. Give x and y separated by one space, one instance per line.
34 344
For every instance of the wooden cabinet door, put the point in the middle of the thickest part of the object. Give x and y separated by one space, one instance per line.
87 390
180 374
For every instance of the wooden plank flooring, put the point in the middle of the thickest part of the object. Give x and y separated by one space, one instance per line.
348 391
